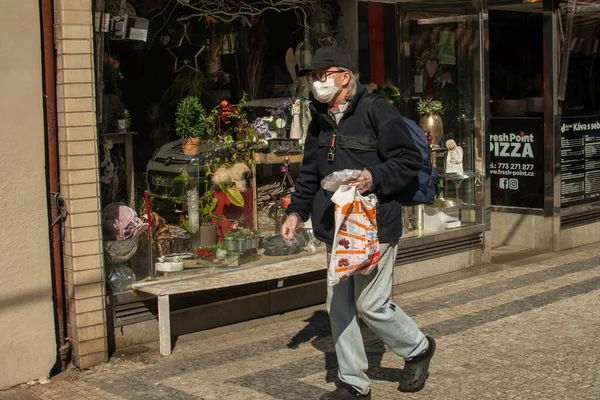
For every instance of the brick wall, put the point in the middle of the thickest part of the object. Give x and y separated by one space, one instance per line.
79 181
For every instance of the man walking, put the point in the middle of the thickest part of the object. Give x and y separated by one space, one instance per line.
338 139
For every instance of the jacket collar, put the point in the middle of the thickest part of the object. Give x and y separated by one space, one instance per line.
321 108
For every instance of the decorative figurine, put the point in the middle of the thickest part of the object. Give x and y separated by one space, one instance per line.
454 160
296 128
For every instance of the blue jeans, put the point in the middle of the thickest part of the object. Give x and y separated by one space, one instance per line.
368 297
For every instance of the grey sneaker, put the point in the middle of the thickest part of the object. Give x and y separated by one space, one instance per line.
416 370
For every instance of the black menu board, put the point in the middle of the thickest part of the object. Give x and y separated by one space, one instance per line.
580 160
516 163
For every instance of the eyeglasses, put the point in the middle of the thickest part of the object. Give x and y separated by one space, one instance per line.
321 75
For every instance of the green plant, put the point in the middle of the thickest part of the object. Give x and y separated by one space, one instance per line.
430 106
237 138
181 183
188 83
190 119
233 194
389 92
207 205
242 233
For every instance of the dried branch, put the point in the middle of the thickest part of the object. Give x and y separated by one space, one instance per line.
231 10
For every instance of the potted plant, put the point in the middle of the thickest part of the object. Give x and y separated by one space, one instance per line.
236 142
214 255
430 111
208 230
240 240
190 123
123 121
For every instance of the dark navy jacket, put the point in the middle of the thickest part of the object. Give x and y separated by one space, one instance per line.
389 154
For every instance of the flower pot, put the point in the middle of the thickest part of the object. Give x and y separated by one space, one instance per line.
190 146
221 254
208 235
241 244
432 123
123 125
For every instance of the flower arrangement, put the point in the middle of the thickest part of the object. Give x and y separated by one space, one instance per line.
112 61
220 78
228 126
430 106
234 141
211 252
266 127
282 109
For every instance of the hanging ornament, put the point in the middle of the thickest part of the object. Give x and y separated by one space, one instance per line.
181 52
165 39
208 20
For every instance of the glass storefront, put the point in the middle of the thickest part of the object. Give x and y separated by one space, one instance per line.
580 122
202 122
433 55
516 150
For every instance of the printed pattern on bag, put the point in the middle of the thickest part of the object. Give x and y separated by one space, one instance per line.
356 246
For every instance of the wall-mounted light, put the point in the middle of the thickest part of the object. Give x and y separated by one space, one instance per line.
131 28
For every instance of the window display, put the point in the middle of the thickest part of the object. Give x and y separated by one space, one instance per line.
215 119
440 86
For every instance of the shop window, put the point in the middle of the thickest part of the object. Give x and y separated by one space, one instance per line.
437 82
202 121
516 151
579 95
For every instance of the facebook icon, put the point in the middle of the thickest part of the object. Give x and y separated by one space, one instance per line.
511 184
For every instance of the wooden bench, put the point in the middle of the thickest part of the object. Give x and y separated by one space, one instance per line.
164 288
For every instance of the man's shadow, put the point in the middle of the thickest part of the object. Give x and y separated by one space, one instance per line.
318 332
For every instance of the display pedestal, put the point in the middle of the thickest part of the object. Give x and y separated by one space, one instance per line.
436 219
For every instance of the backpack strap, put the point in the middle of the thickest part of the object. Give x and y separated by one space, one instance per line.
368 117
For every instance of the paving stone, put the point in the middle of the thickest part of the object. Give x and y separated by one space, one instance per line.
522 332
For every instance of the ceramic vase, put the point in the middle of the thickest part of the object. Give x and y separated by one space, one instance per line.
190 146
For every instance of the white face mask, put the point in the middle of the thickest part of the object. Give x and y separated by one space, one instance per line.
325 91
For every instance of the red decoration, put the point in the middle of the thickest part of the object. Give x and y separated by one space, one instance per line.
148 208
228 213
225 110
205 253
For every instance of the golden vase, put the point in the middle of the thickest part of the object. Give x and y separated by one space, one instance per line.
432 123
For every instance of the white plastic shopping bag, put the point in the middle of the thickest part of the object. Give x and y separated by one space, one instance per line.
355 247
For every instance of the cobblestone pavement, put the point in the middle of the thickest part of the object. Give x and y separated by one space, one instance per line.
526 331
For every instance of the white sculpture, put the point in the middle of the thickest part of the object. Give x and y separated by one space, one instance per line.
296 128
454 160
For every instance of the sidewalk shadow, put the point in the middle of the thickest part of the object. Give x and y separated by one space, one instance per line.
318 332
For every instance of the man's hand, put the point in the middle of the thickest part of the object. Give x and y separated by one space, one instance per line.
364 181
289 227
